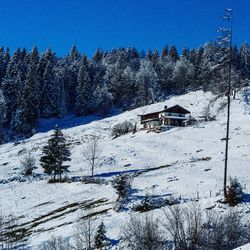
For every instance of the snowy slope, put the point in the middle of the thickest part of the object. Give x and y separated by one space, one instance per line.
191 159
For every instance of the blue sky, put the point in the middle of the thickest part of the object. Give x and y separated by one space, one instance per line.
107 24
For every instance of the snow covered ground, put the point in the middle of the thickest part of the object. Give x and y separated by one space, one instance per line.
191 160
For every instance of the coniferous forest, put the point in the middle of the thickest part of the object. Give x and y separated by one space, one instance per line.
37 85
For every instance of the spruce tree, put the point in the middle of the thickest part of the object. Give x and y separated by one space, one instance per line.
173 53
103 99
84 90
101 240
55 153
52 99
147 80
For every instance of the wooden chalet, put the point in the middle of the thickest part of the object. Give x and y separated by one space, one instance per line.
175 116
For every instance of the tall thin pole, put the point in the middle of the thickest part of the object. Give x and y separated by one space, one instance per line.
228 17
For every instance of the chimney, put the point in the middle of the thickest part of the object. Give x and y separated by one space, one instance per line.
165 107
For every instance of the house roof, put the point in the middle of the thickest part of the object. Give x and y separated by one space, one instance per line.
177 109
152 113
173 109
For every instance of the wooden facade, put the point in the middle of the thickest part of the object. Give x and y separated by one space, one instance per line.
175 116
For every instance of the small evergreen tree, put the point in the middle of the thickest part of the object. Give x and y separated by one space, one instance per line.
101 240
235 192
55 153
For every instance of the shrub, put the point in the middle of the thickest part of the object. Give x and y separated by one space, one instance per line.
56 243
150 202
143 233
122 184
28 165
122 129
189 229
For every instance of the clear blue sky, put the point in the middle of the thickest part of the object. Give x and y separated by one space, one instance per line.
107 24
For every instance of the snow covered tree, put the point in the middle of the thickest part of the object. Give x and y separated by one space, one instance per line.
2 108
173 53
146 81
27 111
166 76
84 89
183 74
4 60
52 99
103 100
71 66
2 115
244 60
113 77
164 52
101 240
55 153
134 60
12 85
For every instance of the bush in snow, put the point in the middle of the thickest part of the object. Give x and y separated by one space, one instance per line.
183 225
206 112
235 193
56 243
190 228
143 233
28 164
149 203
223 231
122 129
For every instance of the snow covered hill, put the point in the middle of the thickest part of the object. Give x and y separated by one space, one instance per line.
185 163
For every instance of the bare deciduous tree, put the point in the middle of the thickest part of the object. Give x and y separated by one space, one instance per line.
92 153
84 236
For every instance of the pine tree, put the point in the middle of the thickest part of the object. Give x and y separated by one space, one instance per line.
101 240
55 153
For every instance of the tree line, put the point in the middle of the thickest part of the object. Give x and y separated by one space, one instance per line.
37 85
